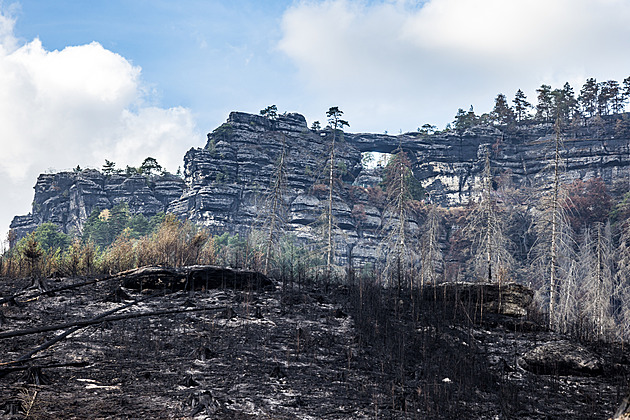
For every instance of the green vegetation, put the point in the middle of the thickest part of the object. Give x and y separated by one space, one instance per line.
49 237
150 166
573 246
103 226
126 242
221 133
399 166
595 99
271 112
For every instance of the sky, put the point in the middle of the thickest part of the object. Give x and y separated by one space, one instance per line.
84 81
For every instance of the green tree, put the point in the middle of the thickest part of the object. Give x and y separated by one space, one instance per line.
131 170
271 112
617 97
316 126
427 129
150 166
521 106
103 227
95 228
50 237
139 226
545 102
32 252
502 113
588 97
564 105
465 120
109 168
608 94
626 89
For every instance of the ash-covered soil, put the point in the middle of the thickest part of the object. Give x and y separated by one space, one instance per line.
289 353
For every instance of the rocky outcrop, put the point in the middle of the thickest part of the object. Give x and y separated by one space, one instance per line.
510 299
561 358
227 182
68 198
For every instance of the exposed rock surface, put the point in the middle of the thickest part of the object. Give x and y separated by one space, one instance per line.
228 179
68 198
511 299
227 182
561 358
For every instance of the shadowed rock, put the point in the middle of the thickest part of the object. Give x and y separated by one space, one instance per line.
561 358
511 299
195 277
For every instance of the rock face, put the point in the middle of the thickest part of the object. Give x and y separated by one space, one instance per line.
228 180
561 358
68 198
510 299
227 183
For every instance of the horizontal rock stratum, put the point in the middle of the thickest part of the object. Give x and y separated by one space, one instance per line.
226 183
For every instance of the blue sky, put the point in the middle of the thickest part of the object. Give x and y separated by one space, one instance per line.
209 56
83 81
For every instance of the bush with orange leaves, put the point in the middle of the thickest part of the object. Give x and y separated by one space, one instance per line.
176 243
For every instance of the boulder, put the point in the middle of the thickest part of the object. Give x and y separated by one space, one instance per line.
561 358
510 299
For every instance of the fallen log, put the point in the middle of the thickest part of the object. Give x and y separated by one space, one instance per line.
62 288
196 277
4 371
78 326
102 318
36 330
99 320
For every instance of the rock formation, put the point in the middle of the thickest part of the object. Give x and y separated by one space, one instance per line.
68 198
227 181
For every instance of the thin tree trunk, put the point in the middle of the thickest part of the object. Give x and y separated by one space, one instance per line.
275 204
330 207
554 228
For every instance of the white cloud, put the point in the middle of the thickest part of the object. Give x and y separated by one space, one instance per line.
77 106
392 64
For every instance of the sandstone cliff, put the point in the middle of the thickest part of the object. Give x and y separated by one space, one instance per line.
68 198
226 182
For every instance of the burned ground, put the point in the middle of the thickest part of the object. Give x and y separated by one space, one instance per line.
354 352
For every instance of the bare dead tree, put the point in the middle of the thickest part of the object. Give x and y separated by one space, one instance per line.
275 208
598 283
399 255
555 206
621 292
491 248
554 246
431 253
